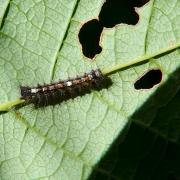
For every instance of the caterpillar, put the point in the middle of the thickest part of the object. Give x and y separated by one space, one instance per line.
56 92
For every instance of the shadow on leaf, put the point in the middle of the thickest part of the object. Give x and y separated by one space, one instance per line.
150 150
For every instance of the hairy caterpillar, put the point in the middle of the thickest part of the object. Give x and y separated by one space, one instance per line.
54 93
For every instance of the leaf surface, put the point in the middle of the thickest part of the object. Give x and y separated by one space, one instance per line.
39 43
3 7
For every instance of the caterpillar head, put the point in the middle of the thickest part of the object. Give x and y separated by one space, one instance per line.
25 92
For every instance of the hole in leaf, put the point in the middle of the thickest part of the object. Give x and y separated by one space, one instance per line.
150 79
139 3
112 12
120 11
89 37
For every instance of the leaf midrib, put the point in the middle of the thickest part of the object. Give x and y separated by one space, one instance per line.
71 154
52 76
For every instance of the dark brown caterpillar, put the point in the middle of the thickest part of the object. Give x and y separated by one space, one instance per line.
54 93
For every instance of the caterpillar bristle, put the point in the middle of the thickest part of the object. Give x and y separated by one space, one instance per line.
50 94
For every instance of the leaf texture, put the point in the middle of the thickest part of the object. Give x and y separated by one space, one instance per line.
39 43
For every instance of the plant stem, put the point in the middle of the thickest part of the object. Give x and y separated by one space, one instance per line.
138 60
8 105
106 71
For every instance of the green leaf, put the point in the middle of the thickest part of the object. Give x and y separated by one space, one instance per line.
39 43
3 8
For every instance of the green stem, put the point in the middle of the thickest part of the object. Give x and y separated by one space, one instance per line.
8 105
138 60
106 71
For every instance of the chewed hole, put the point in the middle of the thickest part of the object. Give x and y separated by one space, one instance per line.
89 37
148 80
114 12
139 3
